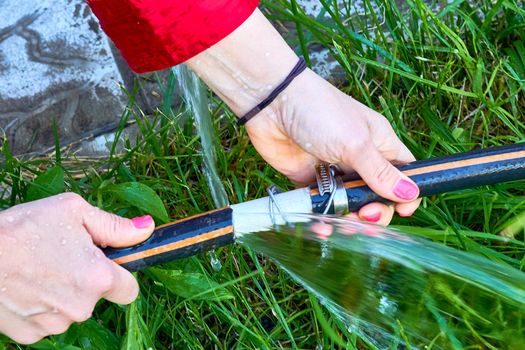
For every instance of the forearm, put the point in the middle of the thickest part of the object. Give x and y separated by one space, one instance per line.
243 68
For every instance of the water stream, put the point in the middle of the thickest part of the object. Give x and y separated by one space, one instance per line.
392 289
399 291
196 99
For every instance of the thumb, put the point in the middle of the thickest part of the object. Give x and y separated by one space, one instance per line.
382 177
112 230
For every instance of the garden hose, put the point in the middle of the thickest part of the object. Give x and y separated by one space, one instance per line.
332 194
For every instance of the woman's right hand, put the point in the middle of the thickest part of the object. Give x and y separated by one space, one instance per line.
51 271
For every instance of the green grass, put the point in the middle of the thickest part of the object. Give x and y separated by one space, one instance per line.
449 78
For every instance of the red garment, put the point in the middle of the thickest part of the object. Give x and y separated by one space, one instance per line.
157 34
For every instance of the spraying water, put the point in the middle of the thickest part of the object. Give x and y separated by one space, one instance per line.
398 291
392 289
194 95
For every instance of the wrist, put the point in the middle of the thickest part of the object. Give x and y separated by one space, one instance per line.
245 67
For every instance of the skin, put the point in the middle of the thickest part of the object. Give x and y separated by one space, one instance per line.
51 271
310 121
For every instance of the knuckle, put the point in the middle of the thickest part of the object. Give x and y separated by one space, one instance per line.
58 328
97 280
112 227
360 143
78 315
357 146
27 338
72 199
104 280
383 173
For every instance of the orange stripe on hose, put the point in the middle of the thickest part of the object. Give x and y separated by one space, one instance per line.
444 166
175 245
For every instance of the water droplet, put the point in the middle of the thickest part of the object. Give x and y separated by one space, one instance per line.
60 198
54 310
308 145
266 54
10 219
284 98
97 254
60 224
3 289
39 282
215 263
92 261
269 87
36 237
86 249
5 275
33 247
69 227
63 241
27 242
91 213
75 241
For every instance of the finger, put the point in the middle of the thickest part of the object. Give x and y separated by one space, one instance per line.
112 230
377 213
51 323
322 230
22 332
349 227
124 289
407 209
387 142
382 177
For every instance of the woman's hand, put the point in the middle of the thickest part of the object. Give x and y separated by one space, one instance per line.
51 271
312 120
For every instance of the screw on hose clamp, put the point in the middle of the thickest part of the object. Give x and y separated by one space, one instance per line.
329 182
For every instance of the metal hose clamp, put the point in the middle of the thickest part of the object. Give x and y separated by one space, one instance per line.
273 207
329 182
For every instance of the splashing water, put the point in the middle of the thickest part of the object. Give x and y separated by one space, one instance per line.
398 291
194 95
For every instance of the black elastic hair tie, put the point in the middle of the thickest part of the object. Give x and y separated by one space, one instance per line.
298 69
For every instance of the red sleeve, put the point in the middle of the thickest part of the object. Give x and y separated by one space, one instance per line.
157 34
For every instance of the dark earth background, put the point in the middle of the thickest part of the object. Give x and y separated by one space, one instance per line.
57 64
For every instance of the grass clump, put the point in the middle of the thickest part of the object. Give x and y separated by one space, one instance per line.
449 77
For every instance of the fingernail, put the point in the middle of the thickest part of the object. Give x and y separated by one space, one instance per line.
405 189
142 221
372 218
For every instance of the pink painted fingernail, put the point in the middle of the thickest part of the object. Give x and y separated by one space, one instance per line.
372 218
142 221
406 190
